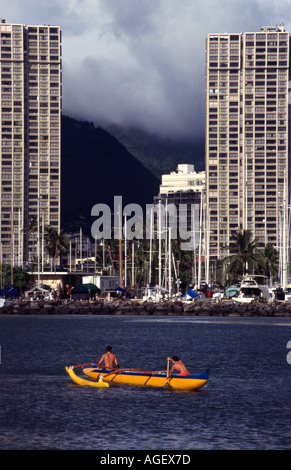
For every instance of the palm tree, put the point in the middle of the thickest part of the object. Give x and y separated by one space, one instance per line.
32 224
32 232
243 254
57 243
269 262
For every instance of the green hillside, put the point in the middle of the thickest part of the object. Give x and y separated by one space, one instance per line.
95 168
160 156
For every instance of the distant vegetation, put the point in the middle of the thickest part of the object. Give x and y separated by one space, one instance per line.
160 156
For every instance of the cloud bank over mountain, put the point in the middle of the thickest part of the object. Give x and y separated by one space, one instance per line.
142 62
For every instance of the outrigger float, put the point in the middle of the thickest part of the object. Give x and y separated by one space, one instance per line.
101 377
80 381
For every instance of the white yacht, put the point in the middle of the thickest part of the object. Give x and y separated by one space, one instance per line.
251 289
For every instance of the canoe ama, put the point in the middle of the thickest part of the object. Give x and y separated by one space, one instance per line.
79 381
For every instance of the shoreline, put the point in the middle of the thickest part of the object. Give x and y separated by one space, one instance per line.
206 307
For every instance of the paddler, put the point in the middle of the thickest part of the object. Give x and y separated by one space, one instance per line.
109 359
178 365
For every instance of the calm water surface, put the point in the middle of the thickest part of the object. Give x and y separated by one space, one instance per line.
245 405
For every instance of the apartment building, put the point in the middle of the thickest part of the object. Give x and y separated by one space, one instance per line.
30 131
247 136
184 188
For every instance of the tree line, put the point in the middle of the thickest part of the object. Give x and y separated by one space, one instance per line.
246 255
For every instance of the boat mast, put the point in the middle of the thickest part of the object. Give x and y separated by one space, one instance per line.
160 249
20 262
169 262
200 240
132 266
151 243
42 245
120 248
284 238
125 251
194 248
11 245
207 233
38 243
166 246
246 205
81 248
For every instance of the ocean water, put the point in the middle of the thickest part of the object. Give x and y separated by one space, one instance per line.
246 405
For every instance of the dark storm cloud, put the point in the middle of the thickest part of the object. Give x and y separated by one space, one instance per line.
142 62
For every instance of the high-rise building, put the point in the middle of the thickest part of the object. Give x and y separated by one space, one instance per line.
183 188
248 136
30 131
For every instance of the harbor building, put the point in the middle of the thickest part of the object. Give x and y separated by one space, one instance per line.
247 151
30 131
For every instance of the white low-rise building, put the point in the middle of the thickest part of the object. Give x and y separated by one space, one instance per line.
184 179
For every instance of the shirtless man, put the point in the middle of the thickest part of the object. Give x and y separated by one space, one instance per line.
109 359
178 365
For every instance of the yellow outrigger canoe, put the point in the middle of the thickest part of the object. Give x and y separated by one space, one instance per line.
102 376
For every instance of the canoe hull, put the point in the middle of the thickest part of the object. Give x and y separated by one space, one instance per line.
150 379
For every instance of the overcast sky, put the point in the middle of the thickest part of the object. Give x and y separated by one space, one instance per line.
141 62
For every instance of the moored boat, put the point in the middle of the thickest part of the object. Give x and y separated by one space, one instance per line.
147 378
251 289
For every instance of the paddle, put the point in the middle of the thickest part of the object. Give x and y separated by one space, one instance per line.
81 365
92 365
167 384
112 369
117 371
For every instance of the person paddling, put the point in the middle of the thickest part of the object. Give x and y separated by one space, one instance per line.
109 359
178 365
